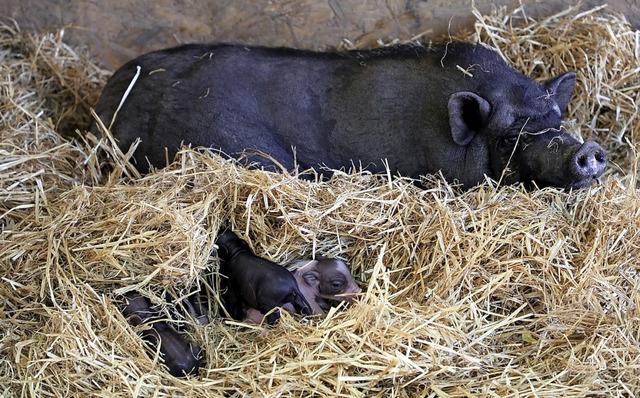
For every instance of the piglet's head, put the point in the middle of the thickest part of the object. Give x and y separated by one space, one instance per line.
333 280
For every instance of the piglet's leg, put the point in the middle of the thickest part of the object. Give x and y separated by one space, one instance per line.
289 308
233 303
273 316
255 316
300 304
197 309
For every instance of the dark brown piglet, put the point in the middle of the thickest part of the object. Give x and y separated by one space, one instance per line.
179 355
324 280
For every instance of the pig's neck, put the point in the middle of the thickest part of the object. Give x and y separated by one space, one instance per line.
234 252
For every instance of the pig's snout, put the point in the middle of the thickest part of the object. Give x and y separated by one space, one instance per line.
588 163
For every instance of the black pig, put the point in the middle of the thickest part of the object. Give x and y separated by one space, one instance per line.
457 108
179 355
255 282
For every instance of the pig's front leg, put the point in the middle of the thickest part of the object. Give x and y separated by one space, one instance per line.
233 303
255 316
197 309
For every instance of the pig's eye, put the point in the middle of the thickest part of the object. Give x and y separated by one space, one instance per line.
336 284
509 140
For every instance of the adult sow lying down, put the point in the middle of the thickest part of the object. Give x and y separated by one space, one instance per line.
457 108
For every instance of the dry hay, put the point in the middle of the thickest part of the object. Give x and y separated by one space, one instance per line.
490 292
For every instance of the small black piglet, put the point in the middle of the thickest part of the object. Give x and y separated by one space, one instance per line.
179 355
255 282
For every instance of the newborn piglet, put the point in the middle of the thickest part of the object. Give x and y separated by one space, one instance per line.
255 282
322 282
179 355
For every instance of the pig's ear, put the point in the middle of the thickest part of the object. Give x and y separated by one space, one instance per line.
468 113
134 319
561 88
312 278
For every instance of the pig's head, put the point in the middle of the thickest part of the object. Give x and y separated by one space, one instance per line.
517 128
137 309
332 278
230 244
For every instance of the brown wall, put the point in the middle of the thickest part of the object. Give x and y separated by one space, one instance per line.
116 31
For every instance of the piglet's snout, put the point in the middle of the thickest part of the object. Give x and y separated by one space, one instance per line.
589 161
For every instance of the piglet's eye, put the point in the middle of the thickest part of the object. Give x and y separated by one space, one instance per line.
336 284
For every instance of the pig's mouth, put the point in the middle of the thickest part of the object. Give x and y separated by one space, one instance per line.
574 167
586 183
571 185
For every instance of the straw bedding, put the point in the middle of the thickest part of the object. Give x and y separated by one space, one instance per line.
491 292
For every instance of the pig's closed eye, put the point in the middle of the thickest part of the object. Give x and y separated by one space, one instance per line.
336 285
509 140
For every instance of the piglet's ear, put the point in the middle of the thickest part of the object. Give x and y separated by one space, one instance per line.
561 88
468 113
134 319
312 278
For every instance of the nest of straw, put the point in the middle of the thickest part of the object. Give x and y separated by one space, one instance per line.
489 292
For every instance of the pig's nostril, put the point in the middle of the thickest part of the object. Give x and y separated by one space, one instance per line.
600 158
582 161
